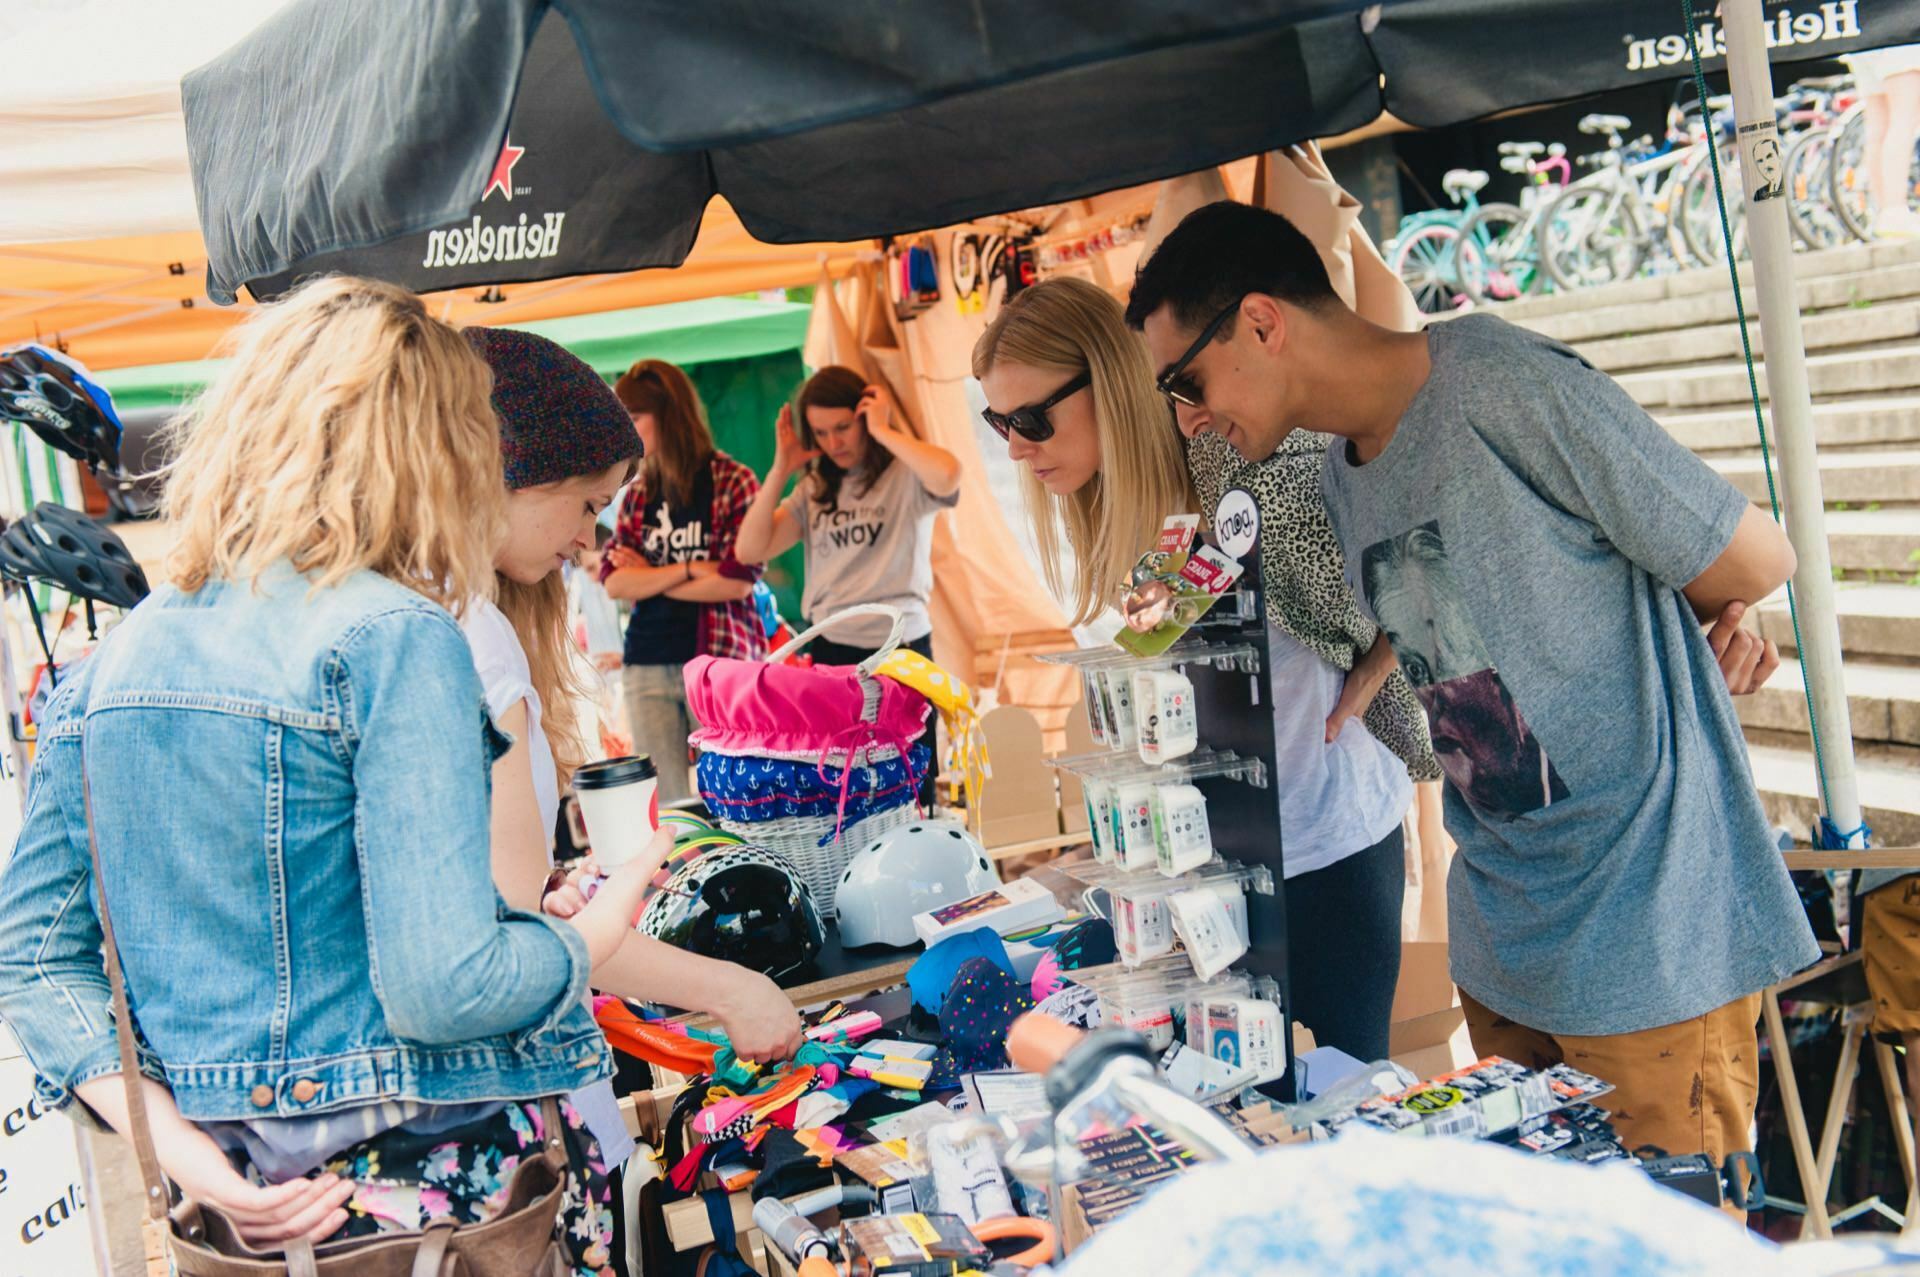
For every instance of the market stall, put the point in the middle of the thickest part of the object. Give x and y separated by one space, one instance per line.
916 1117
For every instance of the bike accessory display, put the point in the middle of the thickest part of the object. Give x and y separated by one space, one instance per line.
744 905
907 871
1168 728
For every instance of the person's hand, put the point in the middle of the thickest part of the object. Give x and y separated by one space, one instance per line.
566 893
266 1217
789 454
759 1019
1363 683
625 556
876 406
608 662
1746 660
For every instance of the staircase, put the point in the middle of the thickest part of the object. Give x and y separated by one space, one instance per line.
1675 345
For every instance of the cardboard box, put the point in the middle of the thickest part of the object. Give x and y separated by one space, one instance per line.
1432 1044
1425 986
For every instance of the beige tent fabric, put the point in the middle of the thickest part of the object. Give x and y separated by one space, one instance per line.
986 595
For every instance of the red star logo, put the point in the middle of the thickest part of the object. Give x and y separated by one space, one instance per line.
503 169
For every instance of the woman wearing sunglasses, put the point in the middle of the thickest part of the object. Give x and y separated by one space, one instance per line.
1071 390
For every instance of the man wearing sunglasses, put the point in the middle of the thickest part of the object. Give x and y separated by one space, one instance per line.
1542 556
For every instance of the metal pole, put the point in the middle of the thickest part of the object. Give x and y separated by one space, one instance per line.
1768 235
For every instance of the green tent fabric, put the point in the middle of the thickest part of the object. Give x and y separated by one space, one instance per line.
685 333
742 354
743 396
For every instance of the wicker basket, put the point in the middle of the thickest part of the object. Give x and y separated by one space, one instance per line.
809 843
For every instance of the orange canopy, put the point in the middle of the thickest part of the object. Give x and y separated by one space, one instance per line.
117 303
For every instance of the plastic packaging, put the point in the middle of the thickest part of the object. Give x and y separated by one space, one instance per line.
1138 847
1125 733
1167 727
1215 938
1183 840
1243 1032
1099 817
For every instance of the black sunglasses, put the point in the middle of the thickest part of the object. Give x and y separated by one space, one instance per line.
1030 422
1174 382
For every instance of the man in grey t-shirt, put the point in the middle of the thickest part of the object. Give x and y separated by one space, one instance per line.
1543 557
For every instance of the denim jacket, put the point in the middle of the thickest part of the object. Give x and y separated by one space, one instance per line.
291 789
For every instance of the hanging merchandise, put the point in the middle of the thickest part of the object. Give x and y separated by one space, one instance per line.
812 763
907 871
1163 607
968 273
1168 729
65 548
1056 254
744 905
966 746
1181 836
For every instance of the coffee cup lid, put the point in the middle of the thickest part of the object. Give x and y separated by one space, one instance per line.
612 773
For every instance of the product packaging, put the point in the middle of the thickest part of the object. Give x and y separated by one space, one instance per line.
1125 732
1160 609
911 1246
1183 840
1099 796
1215 936
1010 907
1138 847
1167 726
1485 1099
1243 1032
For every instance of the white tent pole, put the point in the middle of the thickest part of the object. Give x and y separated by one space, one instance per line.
1770 239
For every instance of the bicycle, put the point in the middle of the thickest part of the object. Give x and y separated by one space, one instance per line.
1847 174
1423 253
1815 106
1499 258
1603 228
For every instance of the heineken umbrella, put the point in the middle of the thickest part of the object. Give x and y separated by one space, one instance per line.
458 142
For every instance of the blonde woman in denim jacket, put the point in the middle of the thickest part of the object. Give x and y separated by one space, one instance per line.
288 757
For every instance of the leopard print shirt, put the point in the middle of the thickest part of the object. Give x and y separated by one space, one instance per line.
1303 574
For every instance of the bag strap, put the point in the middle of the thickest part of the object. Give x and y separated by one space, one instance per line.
866 667
434 1259
138 1129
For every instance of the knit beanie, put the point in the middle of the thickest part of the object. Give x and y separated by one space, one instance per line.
558 419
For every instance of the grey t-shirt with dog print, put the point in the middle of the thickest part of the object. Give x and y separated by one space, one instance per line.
1524 539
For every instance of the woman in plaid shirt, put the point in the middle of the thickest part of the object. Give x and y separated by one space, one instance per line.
672 557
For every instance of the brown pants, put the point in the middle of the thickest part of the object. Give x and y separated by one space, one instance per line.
1689 1087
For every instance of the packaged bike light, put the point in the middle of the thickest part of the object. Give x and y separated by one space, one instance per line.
1181 835
1167 728
1125 732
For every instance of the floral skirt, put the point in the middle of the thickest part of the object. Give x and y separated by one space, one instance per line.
406 1181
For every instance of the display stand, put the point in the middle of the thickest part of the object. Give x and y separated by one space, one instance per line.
1227 658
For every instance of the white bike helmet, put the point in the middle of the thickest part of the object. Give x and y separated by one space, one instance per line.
909 870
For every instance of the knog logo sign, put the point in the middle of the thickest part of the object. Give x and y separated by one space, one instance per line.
1834 20
481 242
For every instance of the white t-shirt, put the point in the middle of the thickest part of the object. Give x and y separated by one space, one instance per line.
1335 799
507 678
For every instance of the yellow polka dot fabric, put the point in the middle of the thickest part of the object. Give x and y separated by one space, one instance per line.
954 699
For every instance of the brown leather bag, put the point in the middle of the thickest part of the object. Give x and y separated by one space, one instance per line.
522 1241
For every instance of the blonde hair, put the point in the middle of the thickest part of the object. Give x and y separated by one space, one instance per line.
538 614
1066 325
351 431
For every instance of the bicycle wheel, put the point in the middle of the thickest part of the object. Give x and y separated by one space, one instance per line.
1424 260
1699 211
1810 211
1847 175
1590 239
1499 259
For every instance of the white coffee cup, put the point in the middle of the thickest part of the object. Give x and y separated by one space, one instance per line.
620 801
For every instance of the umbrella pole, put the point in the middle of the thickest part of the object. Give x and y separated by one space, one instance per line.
1770 240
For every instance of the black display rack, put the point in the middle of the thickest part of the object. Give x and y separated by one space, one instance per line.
1229 660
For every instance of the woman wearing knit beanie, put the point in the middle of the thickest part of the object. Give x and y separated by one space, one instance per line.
568 447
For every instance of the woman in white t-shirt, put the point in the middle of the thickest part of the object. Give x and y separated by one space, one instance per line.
569 447
1072 392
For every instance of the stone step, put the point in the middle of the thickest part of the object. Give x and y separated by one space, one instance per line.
1849 259
1789 786
1877 620
1883 370
1875 421
1882 700
1875 540
1822 331
1858 291
1854 477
